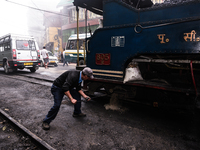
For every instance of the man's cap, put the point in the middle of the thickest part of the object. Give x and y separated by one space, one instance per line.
88 71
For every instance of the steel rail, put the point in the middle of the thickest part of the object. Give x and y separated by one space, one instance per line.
27 79
42 144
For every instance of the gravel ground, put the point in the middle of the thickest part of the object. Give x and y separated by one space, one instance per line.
137 128
11 139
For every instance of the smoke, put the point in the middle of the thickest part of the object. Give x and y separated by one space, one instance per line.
18 17
36 18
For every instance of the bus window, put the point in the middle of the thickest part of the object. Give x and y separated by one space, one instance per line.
67 47
71 44
81 44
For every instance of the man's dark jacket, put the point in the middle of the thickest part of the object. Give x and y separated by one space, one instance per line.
68 80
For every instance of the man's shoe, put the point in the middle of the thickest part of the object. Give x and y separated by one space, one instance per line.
45 126
79 115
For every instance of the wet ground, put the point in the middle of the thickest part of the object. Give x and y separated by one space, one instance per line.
136 128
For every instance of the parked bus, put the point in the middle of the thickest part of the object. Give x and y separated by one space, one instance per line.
18 52
71 48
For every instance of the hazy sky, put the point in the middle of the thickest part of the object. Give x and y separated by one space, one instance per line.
13 17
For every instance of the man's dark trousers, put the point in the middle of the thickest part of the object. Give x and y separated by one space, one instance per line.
58 94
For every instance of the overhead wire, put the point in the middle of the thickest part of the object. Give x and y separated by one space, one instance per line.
44 14
45 17
37 8
41 10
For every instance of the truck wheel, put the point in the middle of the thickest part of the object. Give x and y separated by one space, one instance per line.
32 69
14 69
5 66
41 64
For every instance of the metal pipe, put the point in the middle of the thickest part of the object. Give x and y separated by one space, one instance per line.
77 10
85 35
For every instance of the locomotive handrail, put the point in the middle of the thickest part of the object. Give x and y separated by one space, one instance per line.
135 28
87 46
164 24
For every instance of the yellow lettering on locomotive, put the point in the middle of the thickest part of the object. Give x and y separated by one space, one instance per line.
190 36
198 39
162 39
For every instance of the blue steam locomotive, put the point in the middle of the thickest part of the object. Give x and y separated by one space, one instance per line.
158 43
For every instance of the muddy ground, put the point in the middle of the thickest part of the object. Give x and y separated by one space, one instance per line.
137 128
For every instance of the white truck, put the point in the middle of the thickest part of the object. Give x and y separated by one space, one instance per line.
19 52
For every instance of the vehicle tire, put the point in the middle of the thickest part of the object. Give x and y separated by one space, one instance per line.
32 69
56 65
81 62
14 69
41 64
5 66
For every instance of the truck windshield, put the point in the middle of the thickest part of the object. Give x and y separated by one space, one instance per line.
26 45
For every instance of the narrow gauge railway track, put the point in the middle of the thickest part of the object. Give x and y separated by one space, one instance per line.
30 79
34 142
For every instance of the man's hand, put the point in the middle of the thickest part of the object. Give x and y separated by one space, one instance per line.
73 101
87 98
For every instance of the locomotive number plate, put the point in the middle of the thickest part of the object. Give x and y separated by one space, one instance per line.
102 59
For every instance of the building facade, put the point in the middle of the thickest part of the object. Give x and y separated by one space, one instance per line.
69 21
53 36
